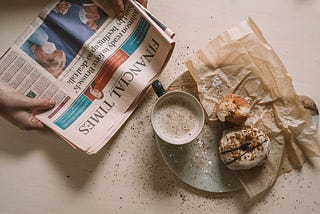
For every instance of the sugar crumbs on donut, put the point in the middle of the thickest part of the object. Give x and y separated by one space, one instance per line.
244 148
233 108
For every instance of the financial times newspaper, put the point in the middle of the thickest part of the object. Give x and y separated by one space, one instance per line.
95 66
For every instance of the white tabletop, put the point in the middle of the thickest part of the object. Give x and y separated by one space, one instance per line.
39 173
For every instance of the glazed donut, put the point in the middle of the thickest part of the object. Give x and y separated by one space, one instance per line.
233 108
244 148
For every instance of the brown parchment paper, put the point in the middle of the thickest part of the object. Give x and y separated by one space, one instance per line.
240 61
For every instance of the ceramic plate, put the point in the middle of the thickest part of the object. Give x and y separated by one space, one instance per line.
197 163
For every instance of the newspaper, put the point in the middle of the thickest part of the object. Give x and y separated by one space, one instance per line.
95 66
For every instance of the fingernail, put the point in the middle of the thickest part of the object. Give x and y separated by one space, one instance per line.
120 14
52 103
33 120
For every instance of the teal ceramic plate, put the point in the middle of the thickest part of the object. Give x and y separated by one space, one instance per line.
197 163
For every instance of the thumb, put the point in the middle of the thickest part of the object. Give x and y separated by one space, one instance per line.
41 104
118 7
143 2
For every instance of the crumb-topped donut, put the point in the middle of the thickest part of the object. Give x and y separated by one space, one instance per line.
233 108
244 148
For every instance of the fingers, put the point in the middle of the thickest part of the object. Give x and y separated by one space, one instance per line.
118 7
10 100
30 122
24 117
24 120
20 110
33 123
40 104
33 104
143 2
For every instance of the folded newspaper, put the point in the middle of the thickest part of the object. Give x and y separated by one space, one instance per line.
95 66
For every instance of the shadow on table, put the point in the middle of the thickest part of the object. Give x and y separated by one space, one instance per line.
71 164
166 183
171 186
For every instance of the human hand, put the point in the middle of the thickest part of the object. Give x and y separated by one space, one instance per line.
118 6
20 110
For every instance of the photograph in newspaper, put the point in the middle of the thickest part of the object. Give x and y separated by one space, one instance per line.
56 42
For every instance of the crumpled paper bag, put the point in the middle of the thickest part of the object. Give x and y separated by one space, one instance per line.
240 61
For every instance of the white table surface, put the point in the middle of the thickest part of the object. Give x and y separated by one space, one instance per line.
39 173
